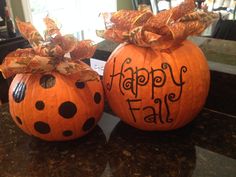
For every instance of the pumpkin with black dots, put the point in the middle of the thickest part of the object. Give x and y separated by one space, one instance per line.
54 95
55 107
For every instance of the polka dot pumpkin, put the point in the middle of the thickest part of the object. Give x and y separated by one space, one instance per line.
55 107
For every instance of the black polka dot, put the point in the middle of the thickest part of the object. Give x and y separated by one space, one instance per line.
18 120
42 127
19 92
80 85
89 124
39 105
47 81
97 97
67 133
67 110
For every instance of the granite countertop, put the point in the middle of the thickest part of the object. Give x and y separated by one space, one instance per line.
204 148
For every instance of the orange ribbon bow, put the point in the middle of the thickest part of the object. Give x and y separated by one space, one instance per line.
48 53
160 31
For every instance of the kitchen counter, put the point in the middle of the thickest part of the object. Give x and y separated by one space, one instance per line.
204 148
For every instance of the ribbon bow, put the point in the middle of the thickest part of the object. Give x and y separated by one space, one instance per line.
161 31
48 54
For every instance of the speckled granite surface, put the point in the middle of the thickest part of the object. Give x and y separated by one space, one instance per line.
204 148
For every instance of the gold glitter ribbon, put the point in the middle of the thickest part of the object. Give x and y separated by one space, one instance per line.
48 54
160 31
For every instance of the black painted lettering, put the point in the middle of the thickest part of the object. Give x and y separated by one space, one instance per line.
131 108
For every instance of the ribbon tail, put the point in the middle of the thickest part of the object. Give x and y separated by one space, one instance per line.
196 22
83 49
184 8
127 19
12 68
29 32
39 64
16 62
114 35
84 72
51 28
87 75
25 61
5 72
167 17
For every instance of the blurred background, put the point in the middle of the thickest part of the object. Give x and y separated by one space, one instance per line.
81 17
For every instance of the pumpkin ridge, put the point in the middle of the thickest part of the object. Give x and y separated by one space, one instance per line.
47 116
175 55
115 102
195 66
163 60
164 89
178 119
179 107
75 126
146 60
174 68
26 79
206 72
63 123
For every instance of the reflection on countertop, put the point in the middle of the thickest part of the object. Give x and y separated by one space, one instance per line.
204 148
25 156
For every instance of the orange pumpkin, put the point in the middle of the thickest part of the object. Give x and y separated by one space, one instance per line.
55 107
162 90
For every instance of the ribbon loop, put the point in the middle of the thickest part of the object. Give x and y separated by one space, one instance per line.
47 54
161 31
